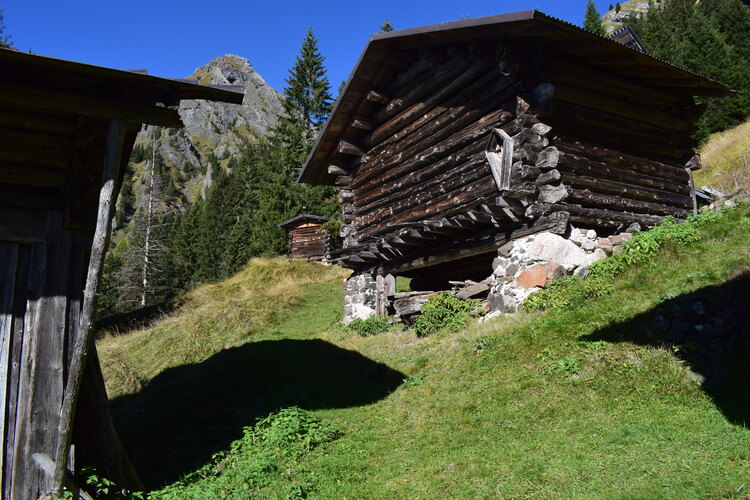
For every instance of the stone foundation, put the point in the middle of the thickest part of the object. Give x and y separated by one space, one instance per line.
530 264
359 297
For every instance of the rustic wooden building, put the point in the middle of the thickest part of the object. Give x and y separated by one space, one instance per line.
452 139
307 240
66 132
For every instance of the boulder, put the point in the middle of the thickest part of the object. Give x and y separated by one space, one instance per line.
532 277
550 247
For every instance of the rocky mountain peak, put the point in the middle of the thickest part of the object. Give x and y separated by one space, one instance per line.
217 131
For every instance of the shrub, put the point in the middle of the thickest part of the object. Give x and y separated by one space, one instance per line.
266 458
370 326
444 312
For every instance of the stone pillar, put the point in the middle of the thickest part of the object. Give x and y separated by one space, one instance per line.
359 297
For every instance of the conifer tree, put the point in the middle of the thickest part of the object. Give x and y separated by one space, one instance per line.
593 19
386 26
5 41
618 7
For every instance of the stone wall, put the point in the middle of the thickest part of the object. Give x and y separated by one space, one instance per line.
529 264
359 297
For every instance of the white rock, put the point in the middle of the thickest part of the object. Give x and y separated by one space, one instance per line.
591 234
550 247
588 245
598 255
577 236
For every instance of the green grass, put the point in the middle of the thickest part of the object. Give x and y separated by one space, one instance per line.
579 402
726 159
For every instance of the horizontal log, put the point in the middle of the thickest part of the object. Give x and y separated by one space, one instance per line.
343 180
606 129
411 73
419 155
361 123
584 166
452 180
337 170
348 148
41 149
422 179
414 111
595 216
456 201
598 200
376 96
426 84
623 160
626 190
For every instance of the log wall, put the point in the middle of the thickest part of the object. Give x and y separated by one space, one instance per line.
606 151
308 242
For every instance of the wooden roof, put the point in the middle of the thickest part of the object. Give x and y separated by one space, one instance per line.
530 26
49 84
304 218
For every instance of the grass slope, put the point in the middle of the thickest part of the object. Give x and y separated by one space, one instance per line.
726 159
572 403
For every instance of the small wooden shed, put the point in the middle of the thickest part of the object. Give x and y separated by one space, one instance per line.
450 140
66 133
307 240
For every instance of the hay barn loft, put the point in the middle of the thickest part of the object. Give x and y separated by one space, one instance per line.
307 241
66 133
450 140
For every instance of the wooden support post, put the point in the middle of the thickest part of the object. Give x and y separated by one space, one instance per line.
83 337
8 260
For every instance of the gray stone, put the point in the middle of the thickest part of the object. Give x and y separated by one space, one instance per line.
591 234
588 245
598 255
605 245
616 250
552 194
549 177
633 228
582 272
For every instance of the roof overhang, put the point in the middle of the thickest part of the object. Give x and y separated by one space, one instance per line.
34 81
531 25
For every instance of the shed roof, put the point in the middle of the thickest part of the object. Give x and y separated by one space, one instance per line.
46 83
304 218
531 25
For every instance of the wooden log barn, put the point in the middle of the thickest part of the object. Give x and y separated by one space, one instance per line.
66 133
307 240
450 140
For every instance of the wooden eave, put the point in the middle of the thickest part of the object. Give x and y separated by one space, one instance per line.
304 218
37 82
531 26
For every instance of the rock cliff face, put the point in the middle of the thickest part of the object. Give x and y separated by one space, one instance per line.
613 20
216 129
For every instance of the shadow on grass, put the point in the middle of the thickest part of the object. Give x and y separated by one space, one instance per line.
188 413
710 330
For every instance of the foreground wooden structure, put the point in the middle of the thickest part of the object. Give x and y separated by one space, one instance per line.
307 240
450 140
66 133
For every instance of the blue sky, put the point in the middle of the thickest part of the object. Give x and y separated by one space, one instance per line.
171 38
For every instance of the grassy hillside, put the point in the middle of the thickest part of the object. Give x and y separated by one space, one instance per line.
726 160
595 400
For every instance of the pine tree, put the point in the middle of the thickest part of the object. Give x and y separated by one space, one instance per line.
711 37
618 7
126 199
5 41
386 26
593 20
307 103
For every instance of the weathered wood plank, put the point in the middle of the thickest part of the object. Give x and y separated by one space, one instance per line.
107 199
8 264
